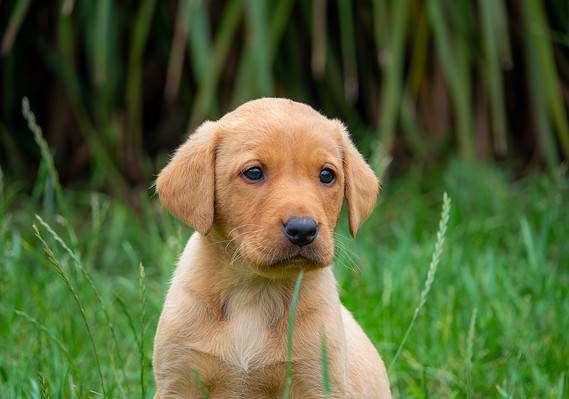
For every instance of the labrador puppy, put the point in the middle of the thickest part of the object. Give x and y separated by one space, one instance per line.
263 188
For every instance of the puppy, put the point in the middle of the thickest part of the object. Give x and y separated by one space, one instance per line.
263 187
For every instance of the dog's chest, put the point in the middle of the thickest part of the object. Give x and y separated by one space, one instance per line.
248 337
249 328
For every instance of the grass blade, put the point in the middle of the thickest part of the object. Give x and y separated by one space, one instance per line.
142 298
381 28
455 64
538 99
260 45
348 45
199 381
469 353
63 63
138 41
67 7
540 47
76 259
561 386
46 156
319 22
130 320
177 52
279 20
199 39
291 317
51 337
102 33
441 233
419 53
16 19
206 87
392 87
493 74
63 275
324 361
44 387
246 77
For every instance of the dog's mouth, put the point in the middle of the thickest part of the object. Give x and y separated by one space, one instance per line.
298 258
283 256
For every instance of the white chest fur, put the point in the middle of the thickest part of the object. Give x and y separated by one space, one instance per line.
251 312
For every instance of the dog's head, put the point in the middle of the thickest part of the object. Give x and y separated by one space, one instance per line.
268 180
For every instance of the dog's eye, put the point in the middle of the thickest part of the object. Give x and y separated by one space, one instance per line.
327 176
253 174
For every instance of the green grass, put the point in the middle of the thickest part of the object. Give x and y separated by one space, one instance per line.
494 323
484 318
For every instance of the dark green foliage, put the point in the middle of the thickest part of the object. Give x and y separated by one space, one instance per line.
116 85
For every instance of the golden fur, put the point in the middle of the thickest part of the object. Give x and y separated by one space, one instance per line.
225 317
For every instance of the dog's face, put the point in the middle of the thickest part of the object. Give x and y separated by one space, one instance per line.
268 181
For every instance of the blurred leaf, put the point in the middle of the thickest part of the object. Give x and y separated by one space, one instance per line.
393 85
177 52
279 21
199 37
16 19
319 22
500 21
418 68
540 110
247 77
67 7
411 130
381 28
102 30
348 42
134 93
260 45
207 86
104 167
454 58
325 364
15 160
541 51
490 19
52 177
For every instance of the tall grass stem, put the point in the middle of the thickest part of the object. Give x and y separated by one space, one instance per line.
325 362
98 295
436 257
469 353
291 318
61 272
46 156
142 297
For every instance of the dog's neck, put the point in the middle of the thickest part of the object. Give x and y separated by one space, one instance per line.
226 286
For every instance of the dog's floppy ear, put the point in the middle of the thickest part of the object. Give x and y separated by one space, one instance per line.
361 185
186 185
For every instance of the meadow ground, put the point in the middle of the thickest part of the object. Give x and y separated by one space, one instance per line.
494 323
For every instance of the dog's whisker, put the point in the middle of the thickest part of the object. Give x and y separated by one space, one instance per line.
230 241
335 233
351 264
254 245
229 234
242 226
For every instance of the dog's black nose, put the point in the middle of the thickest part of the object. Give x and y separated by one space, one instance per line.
301 231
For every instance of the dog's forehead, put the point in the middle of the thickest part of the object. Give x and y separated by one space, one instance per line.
276 106
278 123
